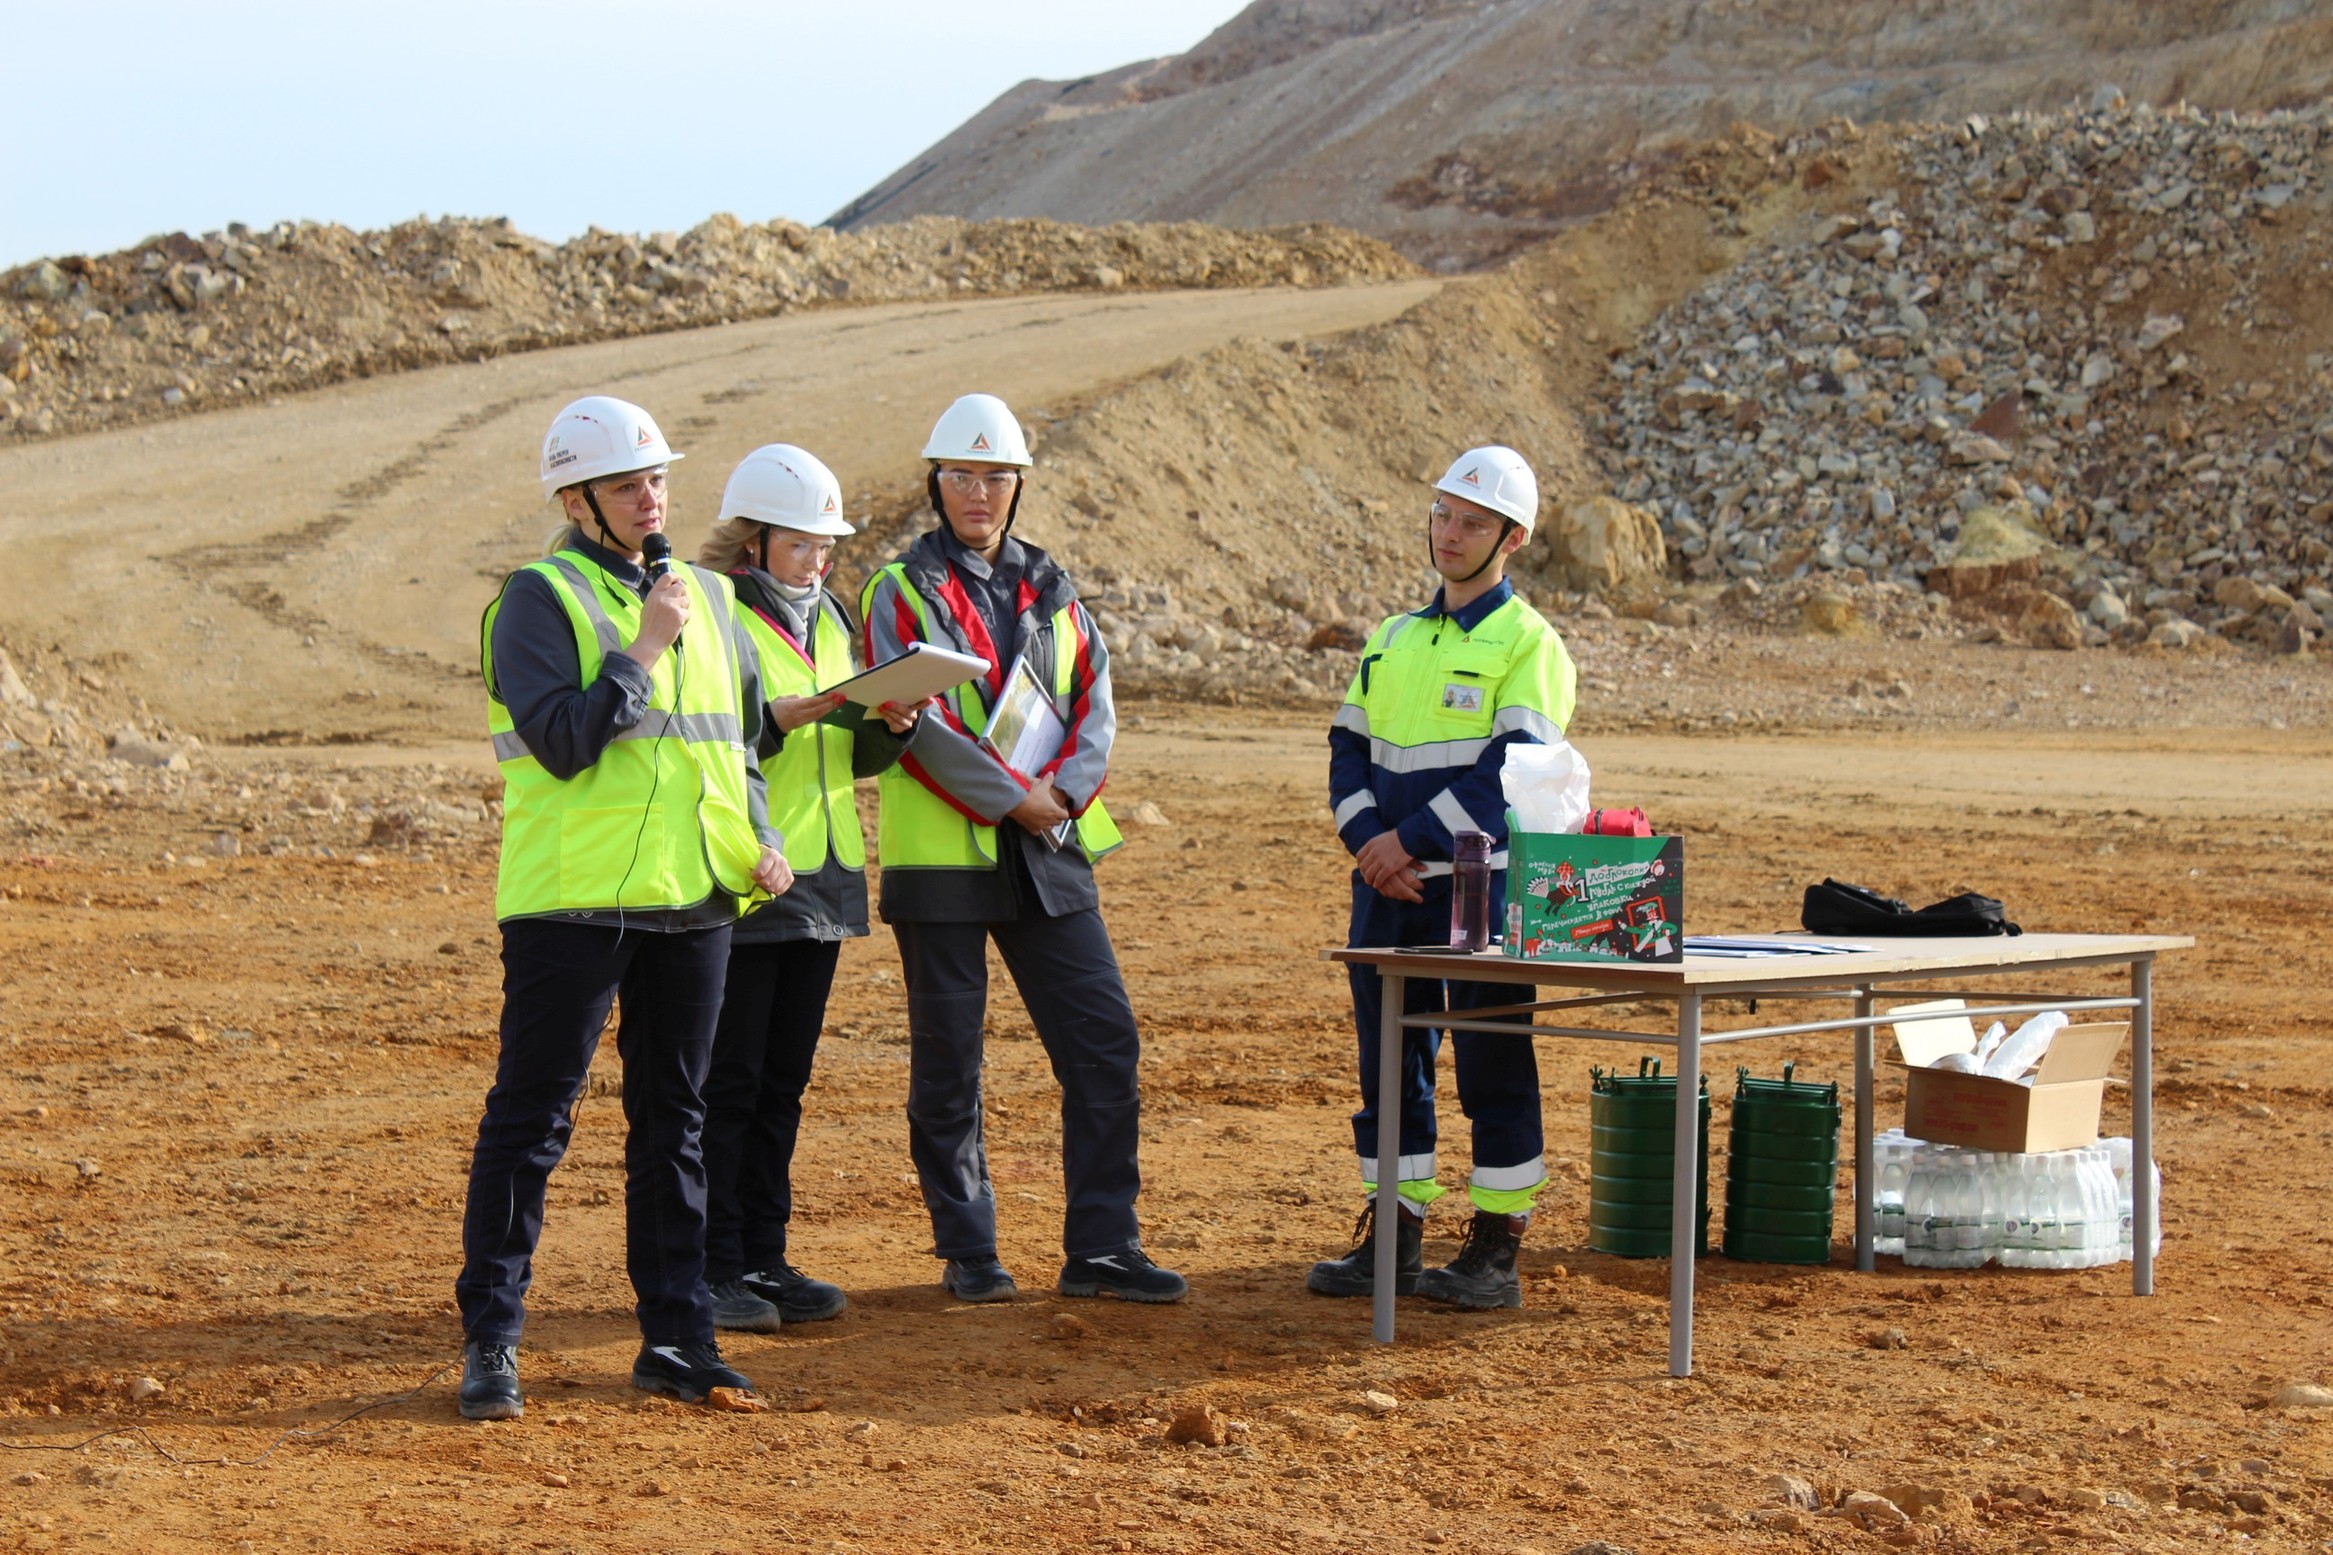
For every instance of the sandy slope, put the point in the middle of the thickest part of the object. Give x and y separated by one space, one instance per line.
233 564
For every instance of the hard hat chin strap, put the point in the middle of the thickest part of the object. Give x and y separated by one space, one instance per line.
591 500
1507 526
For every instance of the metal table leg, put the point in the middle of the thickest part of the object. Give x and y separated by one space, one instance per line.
2143 1208
1391 992
1866 1258
1684 1205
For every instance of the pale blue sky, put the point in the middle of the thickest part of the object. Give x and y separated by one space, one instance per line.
124 118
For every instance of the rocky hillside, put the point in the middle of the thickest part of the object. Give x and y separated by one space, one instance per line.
180 322
1462 130
2087 353
2057 379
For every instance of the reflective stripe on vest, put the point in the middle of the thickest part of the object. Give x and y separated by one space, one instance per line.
660 819
810 777
918 829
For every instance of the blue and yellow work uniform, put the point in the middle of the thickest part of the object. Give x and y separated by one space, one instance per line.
633 817
1416 749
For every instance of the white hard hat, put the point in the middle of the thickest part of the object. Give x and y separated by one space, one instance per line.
597 437
788 487
1496 478
979 428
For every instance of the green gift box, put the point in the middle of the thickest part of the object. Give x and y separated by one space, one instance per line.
1578 898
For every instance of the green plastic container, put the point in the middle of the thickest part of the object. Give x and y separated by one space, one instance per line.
1782 1170
1632 1133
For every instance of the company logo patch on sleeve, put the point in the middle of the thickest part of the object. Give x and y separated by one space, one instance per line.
1461 699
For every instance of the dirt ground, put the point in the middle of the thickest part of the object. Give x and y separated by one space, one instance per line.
239 1094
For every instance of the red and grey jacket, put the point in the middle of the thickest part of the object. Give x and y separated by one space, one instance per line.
947 825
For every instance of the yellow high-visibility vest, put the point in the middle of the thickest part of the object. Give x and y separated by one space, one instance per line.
810 777
660 819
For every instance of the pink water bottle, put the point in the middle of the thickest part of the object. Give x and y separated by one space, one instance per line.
1470 891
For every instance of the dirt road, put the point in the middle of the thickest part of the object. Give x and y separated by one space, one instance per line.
240 1090
231 564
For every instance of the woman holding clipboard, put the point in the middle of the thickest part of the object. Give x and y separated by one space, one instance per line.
974 850
781 515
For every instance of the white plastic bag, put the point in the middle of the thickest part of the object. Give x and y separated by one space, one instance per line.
1989 1045
1546 786
2025 1046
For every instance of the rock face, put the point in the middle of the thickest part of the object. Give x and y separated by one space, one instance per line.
185 323
1952 385
1602 546
1460 130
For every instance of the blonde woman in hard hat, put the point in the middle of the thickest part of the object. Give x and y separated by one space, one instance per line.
781 517
973 851
624 708
1414 758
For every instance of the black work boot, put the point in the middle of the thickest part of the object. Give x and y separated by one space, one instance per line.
1482 1276
1128 1275
1355 1274
977 1279
490 1382
739 1307
688 1372
798 1297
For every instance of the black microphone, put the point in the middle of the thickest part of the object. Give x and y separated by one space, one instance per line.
656 557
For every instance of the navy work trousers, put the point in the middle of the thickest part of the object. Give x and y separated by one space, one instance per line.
1498 1077
1068 978
771 1013
558 979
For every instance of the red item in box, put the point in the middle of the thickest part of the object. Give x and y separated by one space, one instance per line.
1617 823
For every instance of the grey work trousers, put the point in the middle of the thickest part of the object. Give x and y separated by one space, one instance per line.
1068 978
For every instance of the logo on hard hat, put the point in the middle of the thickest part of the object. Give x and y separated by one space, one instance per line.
1471 478
980 443
831 505
644 438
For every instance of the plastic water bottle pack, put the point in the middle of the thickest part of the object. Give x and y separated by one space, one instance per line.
1942 1207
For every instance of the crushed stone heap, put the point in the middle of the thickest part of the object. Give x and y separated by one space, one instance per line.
182 323
2086 351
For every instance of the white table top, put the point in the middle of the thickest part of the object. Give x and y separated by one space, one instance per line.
1889 958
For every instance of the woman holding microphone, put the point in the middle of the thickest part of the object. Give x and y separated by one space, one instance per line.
625 703
781 516
973 850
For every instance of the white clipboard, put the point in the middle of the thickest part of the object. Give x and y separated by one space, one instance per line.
920 672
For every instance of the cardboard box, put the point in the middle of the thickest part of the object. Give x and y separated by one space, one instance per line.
1578 898
2058 1111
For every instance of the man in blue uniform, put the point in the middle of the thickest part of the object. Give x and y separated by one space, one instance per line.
1414 758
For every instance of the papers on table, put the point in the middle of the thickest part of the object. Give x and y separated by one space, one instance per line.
1751 948
921 671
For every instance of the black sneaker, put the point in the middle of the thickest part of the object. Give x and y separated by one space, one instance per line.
1355 1274
688 1372
1129 1276
1482 1276
798 1297
742 1309
490 1382
977 1279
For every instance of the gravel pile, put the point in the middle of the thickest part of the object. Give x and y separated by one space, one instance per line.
181 323
2104 330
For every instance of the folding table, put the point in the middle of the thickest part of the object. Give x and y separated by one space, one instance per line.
1894 968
